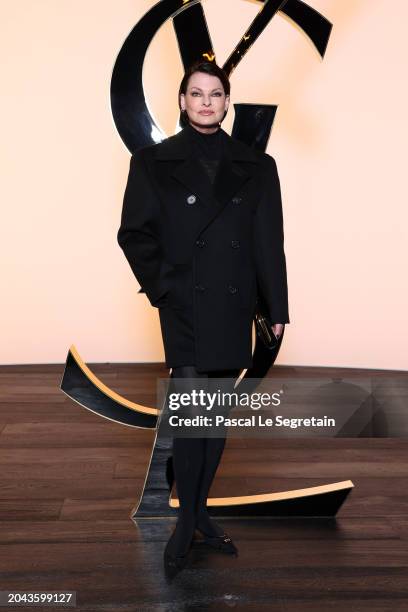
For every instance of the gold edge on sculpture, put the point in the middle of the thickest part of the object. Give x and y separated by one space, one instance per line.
237 500
100 414
106 390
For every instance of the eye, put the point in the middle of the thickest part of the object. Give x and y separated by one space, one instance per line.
194 93
218 93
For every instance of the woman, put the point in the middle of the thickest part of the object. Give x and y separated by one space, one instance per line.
202 230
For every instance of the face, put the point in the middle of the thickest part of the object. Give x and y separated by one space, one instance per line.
205 101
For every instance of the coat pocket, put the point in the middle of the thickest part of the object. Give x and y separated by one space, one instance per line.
180 294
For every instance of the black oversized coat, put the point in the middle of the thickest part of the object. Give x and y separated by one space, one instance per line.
205 249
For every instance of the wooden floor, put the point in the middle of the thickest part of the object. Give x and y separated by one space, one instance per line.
69 480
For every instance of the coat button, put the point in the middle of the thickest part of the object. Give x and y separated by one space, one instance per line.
232 289
200 242
191 199
236 200
199 287
235 244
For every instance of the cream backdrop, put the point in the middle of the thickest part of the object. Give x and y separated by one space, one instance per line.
339 140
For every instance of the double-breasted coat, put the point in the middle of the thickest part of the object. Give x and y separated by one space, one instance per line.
200 251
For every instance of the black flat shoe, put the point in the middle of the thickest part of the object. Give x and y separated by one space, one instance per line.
222 543
174 563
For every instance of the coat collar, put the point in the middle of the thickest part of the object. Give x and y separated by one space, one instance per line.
178 147
234 171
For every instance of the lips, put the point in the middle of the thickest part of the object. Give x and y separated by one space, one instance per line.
206 112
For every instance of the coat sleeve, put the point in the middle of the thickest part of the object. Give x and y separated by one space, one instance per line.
138 234
270 258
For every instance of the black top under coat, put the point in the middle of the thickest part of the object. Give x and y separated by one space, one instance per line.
207 148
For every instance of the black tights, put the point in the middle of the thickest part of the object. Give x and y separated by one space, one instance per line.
195 462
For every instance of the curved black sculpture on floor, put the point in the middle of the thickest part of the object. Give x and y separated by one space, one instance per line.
81 384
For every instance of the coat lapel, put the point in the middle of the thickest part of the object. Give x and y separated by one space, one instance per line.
192 176
233 172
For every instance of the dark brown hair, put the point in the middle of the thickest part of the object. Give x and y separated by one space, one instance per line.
208 68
